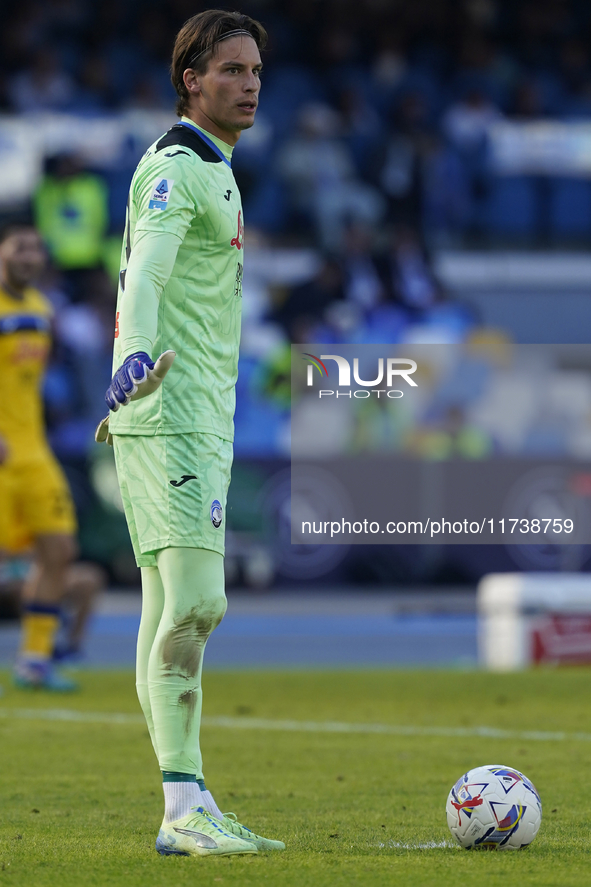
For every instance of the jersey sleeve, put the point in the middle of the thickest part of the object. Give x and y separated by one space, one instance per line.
165 199
150 265
169 195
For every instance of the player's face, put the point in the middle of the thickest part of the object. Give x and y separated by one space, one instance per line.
227 95
22 257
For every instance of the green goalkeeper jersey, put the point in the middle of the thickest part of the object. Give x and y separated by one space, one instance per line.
180 284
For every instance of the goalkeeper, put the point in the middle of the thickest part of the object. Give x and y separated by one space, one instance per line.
180 298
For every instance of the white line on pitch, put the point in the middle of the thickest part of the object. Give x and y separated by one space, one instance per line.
66 714
428 845
388 729
289 726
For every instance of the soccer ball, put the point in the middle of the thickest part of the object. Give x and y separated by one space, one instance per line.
494 807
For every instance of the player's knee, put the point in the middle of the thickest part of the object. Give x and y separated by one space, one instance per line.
182 645
66 551
56 552
191 628
208 614
85 579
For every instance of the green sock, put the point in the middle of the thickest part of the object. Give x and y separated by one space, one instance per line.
194 604
152 606
167 776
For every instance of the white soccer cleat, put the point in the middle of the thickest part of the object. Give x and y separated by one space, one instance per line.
231 823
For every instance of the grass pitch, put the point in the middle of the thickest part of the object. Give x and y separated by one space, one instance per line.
81 800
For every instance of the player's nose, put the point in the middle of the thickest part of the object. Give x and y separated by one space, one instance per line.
252 83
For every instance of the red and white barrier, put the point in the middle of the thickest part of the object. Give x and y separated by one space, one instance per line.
533 618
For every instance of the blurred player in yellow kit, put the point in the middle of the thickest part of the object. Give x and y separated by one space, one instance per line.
35 502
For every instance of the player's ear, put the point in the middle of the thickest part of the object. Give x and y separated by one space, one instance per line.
192 81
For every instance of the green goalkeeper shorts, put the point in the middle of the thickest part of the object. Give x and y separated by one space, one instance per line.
174 489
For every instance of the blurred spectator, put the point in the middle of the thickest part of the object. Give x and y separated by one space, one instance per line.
319 172
361 125
574 64
274 378
408 272
389 64
86 330
448 194
467 121
43 86
260 336
146 95
398 164
466 124
362 285
95 92
450 435
342 322
71 212
528 100
305 304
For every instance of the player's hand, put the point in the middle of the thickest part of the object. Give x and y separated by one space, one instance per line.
3 450
137 377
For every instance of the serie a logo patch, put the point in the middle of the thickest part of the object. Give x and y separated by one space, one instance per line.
216 513
161 190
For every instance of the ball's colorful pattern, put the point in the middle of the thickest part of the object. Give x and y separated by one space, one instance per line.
494 807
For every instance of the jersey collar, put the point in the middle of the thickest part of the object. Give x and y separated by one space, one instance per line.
223 151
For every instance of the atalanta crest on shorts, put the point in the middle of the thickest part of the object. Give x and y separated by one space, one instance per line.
216 513
161 190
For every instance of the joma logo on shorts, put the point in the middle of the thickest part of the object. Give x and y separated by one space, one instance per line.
183 480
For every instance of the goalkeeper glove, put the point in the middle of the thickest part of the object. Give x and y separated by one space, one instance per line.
137 377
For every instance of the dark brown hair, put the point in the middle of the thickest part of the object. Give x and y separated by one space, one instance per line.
198 36
16 227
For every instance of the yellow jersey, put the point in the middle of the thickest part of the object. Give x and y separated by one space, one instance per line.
25 341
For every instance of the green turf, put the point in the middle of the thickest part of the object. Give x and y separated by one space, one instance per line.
80 803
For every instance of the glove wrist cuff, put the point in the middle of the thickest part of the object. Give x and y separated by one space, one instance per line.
138 355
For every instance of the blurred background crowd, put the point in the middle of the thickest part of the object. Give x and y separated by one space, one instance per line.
418 172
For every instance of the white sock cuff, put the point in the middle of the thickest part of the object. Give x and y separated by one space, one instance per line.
210 805
179 797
